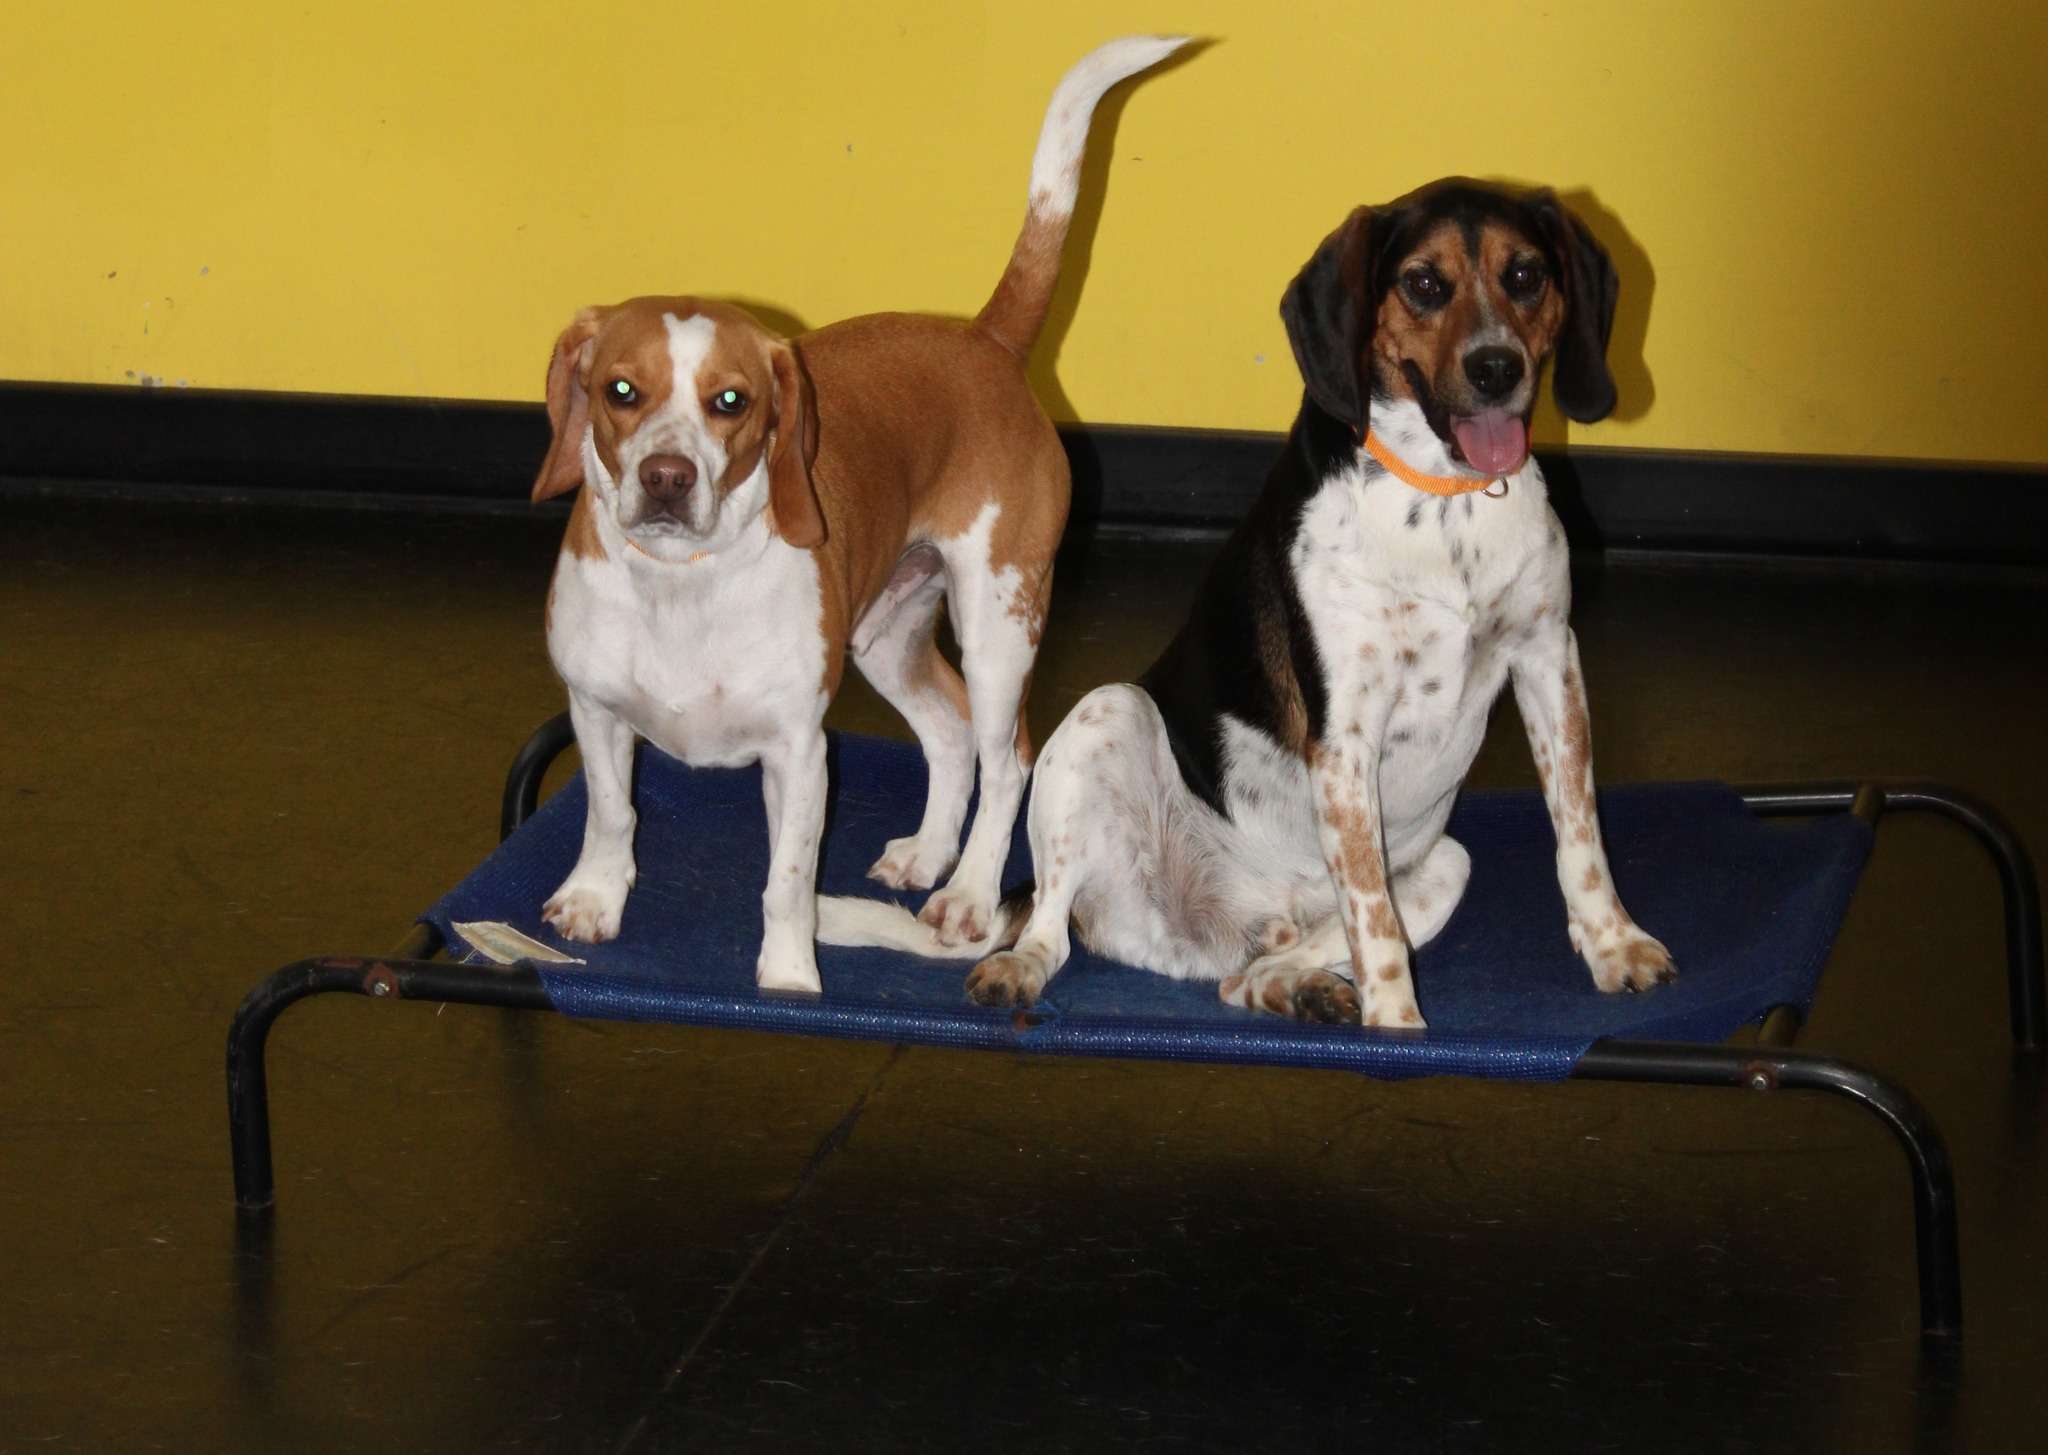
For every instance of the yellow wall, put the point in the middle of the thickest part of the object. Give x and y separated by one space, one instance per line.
1841 200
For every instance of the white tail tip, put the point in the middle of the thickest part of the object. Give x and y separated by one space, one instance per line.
1056 166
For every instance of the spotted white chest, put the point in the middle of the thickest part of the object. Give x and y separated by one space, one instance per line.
709 660
1418 605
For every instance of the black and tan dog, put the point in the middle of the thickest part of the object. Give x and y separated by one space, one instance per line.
1266 808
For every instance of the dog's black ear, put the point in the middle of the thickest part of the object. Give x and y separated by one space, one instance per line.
1328 311
1579 378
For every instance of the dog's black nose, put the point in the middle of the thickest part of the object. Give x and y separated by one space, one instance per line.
1494 372
666 476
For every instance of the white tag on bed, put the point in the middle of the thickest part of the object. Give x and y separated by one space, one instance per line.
505 945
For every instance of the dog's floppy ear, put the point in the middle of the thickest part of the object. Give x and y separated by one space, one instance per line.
568 405
1328 311
790 493
1579 377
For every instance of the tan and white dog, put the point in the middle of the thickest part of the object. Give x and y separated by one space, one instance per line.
753 508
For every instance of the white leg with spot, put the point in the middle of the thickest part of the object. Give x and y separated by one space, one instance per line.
793 791
902 660
591 902
995 616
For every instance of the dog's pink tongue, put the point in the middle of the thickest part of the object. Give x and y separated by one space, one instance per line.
1493 443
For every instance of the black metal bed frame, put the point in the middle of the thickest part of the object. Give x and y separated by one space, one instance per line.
409 973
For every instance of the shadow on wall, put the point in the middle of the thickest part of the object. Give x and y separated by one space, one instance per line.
1635 390
773 317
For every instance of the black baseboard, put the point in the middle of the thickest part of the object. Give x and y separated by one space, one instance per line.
191 443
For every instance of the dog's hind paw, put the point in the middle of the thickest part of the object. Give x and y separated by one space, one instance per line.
908 863
960 916
1326 999
1006 979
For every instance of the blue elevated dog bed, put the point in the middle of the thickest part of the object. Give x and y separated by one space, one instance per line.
1747 888
1501 988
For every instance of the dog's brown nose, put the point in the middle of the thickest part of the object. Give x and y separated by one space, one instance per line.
666 476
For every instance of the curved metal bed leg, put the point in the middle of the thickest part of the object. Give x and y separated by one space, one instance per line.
512 987
1934 1187
529 766
1934 1183
2022 896
248 1088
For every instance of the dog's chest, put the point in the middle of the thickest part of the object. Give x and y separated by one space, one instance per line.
709 661
1417 605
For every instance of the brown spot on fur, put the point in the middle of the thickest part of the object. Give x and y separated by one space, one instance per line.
1277 996
581 539
1575 765
1380 921
1409 656
1593 879
1390 971
1643 955
1410 1016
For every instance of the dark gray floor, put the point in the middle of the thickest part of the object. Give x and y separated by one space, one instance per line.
232 738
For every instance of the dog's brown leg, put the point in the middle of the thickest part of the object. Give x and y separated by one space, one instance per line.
1552 697
1344 780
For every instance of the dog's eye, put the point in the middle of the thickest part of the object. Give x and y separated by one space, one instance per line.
1524 279
621 392
1426 287
728 401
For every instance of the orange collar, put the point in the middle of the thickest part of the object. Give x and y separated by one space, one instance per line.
1431 484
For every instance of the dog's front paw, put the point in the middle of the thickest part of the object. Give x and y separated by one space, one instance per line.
910 863
1624 958
960 916
586 910
1006 979
787 967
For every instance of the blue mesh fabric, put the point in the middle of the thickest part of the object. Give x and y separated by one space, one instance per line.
1748 906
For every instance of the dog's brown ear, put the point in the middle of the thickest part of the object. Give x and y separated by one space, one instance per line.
1328 312
1579 379
568 405
790 493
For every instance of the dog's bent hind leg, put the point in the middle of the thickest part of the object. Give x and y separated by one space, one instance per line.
900 656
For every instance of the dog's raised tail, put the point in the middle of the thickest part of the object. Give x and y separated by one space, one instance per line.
1016 311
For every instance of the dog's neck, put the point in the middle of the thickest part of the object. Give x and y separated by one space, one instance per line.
1402 428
